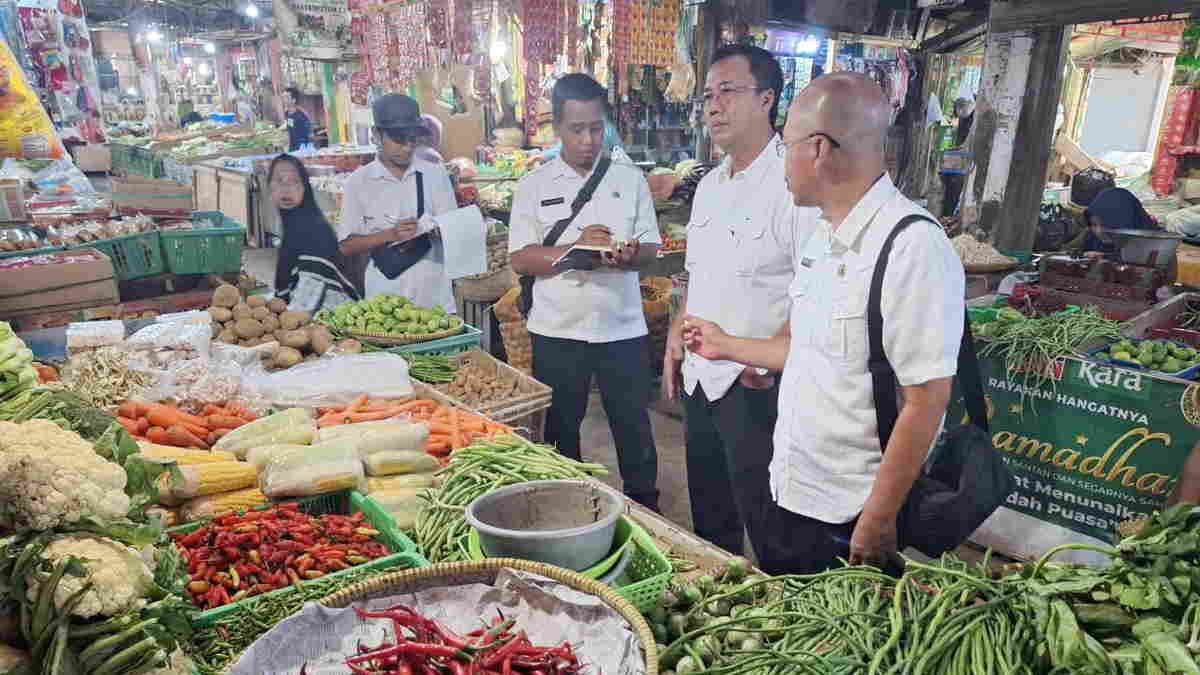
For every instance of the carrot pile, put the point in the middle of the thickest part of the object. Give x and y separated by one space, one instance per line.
450 428
166 424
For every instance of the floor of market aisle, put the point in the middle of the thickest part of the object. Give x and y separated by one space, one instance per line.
596 438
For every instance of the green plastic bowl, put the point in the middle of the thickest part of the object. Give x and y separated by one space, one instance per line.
621 539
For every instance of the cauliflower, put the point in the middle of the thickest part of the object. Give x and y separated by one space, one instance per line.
119 575
50 477
177 664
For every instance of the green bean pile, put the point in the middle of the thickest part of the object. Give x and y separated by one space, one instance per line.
431 368
476 470
1030 347
946 618
215 648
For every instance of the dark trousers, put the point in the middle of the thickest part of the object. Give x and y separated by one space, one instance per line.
622 370
801 545
729 445
953 183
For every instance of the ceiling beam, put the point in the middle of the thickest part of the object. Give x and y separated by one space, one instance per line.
962 33
1013 15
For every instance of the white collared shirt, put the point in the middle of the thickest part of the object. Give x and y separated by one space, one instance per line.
741 242
375 199
827 451
602 305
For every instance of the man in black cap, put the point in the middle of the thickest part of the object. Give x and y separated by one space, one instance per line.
387 210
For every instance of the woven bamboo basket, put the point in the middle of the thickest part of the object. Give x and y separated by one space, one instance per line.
397 340
485 571
486 287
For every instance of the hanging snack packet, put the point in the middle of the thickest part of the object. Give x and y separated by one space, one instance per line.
25 129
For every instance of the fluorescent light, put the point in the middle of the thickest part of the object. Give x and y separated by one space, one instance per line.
499 49
187 60
154 35
210 48
809 45
252 11
203 68
131 91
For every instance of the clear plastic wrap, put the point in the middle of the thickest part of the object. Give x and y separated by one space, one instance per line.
323 468
332 381
261 455
380 436
390 462
386 484
92 334
404 504
195 317
295 426
164 344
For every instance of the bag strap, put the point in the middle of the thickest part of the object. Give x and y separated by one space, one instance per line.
883 377
420 194
581 199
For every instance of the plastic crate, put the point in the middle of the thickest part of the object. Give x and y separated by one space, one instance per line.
404 551
1185 374
122 157
31 251
455 344
214 250
146 163
133 256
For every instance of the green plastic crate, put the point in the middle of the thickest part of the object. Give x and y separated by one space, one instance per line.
147 163
134 255
31 251
214 250
455 344
122 158
647 574
404 551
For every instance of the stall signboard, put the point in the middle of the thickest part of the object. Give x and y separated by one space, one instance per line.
1091 446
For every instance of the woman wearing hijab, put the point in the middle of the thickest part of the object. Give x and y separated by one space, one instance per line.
1113 209
307 276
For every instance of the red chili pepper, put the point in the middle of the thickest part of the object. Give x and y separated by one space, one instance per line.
506 667
195 538
506 651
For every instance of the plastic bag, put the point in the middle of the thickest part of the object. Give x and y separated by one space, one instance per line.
25 128
62 178
399 461
404 505
261 455
332 381
1184 221
296 426
401 481
169 343
380 436
92 334
326 467
195 317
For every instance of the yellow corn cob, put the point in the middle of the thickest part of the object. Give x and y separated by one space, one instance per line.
183 456
198 480
403 481
169 516
224 502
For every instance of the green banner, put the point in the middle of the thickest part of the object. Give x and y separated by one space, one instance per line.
1093 445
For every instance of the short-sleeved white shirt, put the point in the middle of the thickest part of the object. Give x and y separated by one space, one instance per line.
827 451
374 199
602 305
740 246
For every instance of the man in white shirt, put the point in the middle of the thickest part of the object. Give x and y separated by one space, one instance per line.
590 322
381 206
739 262
837 493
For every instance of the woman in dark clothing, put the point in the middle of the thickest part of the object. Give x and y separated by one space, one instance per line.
1113 209
308 275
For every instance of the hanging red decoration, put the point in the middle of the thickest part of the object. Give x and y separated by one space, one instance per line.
439 37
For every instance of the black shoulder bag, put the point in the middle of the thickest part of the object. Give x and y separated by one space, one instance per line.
394 259
525 300
965 478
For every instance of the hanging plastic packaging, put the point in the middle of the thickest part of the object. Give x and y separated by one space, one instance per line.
25 129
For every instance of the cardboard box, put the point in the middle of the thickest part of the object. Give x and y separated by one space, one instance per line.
12 200
59 281
93 157
161 198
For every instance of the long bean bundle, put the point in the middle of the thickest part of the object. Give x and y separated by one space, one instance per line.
946 618
1031 347
476 470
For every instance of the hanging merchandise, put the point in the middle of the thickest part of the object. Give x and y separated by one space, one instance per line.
314 29
622 34
463 33
378 58
439 37
25 128
652 25
411 48
541 23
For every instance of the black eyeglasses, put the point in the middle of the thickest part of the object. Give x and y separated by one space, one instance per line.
782 146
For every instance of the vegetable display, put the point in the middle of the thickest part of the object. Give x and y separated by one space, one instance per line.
477 385
475 470
421 644
1157 355
430 368
236 556
387 314
165 424
16 363
103 377
254 320
450 428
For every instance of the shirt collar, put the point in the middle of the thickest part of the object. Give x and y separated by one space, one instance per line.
761 163
865 211
376 170
560 169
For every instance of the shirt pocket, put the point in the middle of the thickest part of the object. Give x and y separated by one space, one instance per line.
547 216
800 291
698 231
751 254
616 211
846 339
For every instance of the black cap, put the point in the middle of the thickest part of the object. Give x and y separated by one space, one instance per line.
396 111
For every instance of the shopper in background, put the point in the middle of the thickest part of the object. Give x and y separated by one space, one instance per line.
964 110
430 148
309 273
393 200
740 262
188 114
836 492
589 322
245 110
299 128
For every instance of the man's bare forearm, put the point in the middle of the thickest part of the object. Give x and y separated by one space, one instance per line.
770 353
537 261
913 434
362 243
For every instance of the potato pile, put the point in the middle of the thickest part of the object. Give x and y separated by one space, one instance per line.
252 321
